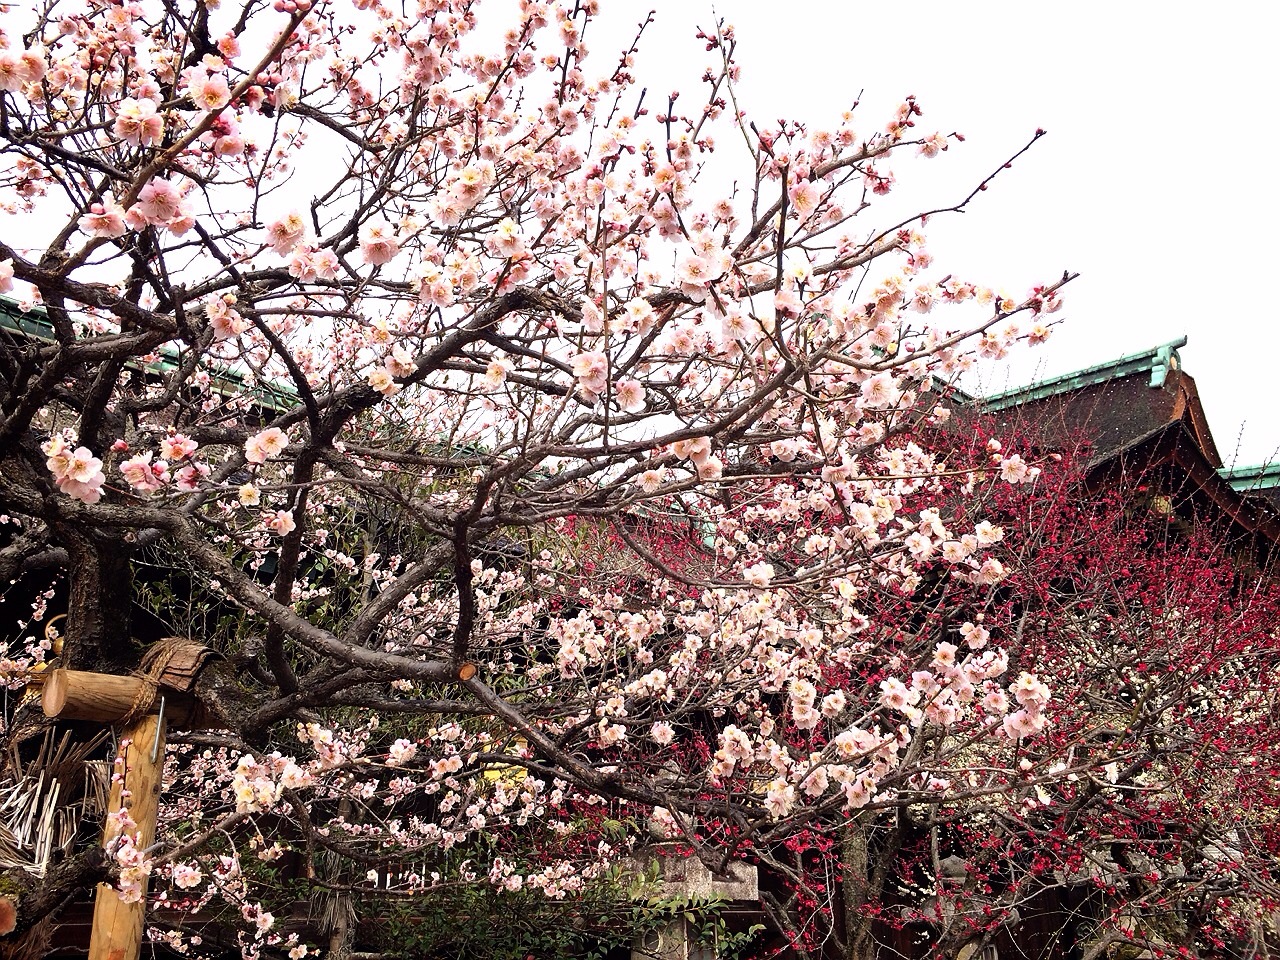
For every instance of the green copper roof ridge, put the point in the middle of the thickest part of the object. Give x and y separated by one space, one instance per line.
35 323
1253 476
1155 359
29 323
12 305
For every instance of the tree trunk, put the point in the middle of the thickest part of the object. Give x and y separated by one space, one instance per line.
100 604
338 913
39 904
856 867
96 637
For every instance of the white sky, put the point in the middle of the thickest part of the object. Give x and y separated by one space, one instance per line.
1157 182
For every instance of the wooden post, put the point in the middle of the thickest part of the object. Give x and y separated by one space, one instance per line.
143 705
117 925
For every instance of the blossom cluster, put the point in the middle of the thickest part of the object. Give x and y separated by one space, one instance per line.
76 471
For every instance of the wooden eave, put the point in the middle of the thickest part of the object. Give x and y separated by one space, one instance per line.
1177 445
1137 422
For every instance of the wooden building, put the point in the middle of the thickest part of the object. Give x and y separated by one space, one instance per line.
1144 431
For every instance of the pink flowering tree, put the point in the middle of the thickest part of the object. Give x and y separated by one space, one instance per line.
470 403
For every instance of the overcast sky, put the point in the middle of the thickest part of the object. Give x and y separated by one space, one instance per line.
1157 181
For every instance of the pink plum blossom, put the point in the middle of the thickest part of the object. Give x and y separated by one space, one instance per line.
284 234
651 481
209 92
265 444
77 472
630 395
144 475
159 201
880 391
378 244
495 374
592 371
177 446
280 522
105 219
186 876
382 380
137 122
19 67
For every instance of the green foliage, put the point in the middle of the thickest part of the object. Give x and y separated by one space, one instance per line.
475 922
472 922
706 925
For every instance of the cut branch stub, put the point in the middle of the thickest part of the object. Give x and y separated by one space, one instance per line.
109 698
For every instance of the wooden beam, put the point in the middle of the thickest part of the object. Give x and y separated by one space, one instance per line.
109 698
118 925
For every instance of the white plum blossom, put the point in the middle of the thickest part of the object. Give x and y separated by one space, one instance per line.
880 391
401 752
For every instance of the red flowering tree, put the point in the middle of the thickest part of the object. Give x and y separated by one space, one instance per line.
1142 818
359 324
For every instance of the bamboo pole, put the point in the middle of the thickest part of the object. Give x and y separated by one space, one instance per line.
117 925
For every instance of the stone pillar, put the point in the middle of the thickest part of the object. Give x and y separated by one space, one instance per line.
685 876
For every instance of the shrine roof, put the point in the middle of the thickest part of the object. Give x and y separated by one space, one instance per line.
1156 362
1135 413
34 325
